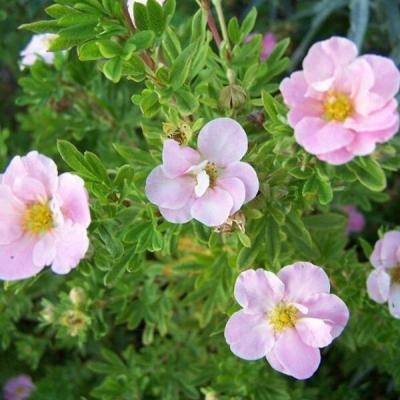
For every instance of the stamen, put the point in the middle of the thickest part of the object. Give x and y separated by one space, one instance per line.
337 106
395 274
38 218
283 316
212 172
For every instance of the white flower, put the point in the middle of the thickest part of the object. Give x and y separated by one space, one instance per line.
38 48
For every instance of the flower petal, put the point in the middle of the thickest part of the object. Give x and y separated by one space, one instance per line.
275 363
314 332
297 358
387 76
72 244
44 251
11 213
213 208
73 199
303 279
246 173
16 260
29 189
249 335
385 251
178 159
329 308
319 137
180 216
394 300
378 286
258 290
223 141
169 193
337 157
236 189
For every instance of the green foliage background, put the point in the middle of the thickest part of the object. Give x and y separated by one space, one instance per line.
148 306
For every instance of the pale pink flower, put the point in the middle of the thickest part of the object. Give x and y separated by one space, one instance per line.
130 4
286 318
383 283
356 220
208 185
43 218
38 48
267 45
342 105
18 388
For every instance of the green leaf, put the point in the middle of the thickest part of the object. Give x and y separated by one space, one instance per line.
74 159
97 167
249 22
369 173
186 101
234 31
41 27
141 19
325 192
155 17
181 68
142 40
58 10
326 222
109 48
272 241
89 51
112 69
359 15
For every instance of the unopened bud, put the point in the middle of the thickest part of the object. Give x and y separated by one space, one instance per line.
75 321
77 295
232 97
48 313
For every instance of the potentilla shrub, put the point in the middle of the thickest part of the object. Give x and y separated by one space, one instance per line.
206 239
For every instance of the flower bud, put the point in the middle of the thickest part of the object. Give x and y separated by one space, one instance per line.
77 296
232 97
75 321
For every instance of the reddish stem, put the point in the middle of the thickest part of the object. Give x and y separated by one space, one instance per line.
211 23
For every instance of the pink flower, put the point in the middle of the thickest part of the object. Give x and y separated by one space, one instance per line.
286 318
38 48
268 44
383 283
130 4
342 105
208 185
18 388
43 218
356 220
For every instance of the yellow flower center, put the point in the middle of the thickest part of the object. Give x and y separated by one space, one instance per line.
395 274
337 106
283 316
212 172
38 218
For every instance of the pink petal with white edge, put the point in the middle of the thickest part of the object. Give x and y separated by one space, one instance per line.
73 199
387 76
16 260
319 137
29 189
258 290
178 159
11 214
72 244
180 216
297 359
249 335
314 332
36 166
223 141
246 173
337 157
385 251
214 208
44 251
275 363
303 279
330 308
384 118
378 286
169 193
394 300
236 189
319 68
